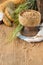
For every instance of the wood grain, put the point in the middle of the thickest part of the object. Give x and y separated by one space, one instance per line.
18 52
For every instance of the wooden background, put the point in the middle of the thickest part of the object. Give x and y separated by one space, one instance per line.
18 52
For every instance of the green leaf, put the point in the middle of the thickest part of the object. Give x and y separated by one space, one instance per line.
18 29
15 32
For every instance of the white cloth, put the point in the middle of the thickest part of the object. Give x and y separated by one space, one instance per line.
37 38
1 15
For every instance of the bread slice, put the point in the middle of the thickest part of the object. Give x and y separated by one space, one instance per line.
2 5
8 12
7 4
7 21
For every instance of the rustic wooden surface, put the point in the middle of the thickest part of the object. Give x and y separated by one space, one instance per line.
18 52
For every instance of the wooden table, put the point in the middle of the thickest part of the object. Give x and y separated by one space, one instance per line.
18 52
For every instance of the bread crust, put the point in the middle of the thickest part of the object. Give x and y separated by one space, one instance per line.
3 5
8 13
7 21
